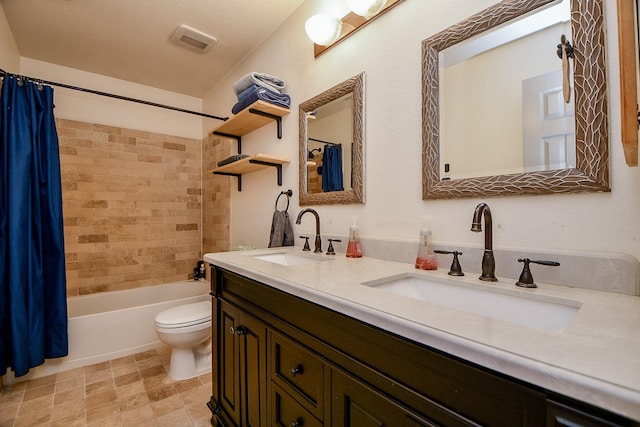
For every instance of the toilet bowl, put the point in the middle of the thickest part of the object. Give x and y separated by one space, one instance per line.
187 330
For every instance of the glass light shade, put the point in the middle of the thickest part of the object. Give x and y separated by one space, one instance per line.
366 8
323 29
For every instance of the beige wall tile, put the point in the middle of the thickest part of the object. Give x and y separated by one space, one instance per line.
128 197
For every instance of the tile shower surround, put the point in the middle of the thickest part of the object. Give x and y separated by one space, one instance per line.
133 203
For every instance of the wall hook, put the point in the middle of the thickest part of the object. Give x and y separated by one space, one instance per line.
567 47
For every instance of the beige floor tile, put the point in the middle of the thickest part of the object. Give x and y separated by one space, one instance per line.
144 355
99 387
68 395
149 363
139 417
200 394
97 367
8 413
102 412
98 376
120 370
185 385
157 381
199 411
176 418
112 421
125 379
35 393
36 405
160 393
70 421
11 397
206 378
164 406
72 373
153 371
130 390
69 383
74 408
42 381
100 399
126 360
34 417
133 402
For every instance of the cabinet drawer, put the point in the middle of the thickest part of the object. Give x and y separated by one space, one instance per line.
286 411
298 371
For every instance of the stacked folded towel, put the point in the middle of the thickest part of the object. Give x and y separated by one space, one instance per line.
259 86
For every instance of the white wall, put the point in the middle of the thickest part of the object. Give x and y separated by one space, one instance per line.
9 54
91 108
389 51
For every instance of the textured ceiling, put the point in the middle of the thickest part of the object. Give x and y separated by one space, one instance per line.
130 39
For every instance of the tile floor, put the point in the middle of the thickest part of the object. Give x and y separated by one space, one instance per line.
130 391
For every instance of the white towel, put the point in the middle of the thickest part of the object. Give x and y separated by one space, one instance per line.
265 80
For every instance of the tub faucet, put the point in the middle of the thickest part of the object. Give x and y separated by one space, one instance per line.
318 248
488 261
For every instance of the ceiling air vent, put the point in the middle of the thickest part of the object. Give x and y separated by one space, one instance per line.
192 39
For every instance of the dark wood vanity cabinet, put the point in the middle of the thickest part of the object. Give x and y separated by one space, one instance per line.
284 361
242 355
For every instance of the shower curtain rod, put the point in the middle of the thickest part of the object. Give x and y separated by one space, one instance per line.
324 142
111 95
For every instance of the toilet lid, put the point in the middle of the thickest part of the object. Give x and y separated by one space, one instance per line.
185 315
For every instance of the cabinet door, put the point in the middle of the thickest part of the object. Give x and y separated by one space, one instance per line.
229 359
355 405
243 377
253 371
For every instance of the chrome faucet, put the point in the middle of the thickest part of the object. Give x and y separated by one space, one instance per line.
318 248
488 261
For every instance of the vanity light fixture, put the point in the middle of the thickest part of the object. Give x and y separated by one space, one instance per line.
323 29
366 8
327 29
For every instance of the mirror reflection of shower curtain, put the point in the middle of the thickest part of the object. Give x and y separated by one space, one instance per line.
332 179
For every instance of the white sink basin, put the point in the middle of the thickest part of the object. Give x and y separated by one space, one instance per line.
289 258
515 306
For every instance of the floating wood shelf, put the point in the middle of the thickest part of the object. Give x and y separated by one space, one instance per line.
250 164
255 116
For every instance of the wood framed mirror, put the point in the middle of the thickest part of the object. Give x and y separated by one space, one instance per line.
332 124
590 172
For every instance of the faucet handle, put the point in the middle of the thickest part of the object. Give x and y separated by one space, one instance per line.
306 243
526 278
455 269
330 250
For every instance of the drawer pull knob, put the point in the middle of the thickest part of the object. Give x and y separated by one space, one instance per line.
297 370
297 423
238 330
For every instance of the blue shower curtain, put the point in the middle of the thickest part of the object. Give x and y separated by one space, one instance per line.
332 168
33 305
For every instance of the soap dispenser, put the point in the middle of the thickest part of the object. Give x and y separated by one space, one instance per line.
354 248
426 258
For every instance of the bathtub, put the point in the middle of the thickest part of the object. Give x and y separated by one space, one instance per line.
114 324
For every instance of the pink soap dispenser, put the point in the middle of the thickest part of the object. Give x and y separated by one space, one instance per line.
426 258
354 248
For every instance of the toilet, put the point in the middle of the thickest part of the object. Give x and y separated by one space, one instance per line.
187 330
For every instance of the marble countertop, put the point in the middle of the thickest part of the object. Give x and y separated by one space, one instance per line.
595 359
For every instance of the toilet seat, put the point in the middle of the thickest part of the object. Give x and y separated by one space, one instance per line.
186 315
